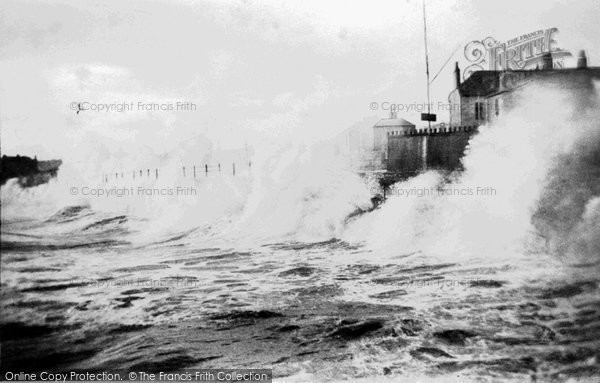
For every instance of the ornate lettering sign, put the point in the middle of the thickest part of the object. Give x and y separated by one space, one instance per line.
523 52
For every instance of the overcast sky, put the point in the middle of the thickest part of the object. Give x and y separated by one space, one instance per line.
257 70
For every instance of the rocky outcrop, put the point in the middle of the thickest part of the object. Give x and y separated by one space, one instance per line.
30 172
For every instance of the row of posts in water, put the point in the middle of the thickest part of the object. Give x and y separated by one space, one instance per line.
191 172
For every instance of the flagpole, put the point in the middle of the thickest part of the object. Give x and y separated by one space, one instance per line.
426 64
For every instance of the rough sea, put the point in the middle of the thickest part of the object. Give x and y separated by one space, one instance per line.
286 266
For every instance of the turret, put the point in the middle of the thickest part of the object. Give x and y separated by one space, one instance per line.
456 76
581 60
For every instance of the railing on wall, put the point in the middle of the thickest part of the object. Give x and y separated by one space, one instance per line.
192 171
440 130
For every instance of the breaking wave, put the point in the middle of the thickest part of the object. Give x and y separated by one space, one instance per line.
530 179
541 161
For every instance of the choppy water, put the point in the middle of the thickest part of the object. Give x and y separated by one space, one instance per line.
325 310
277 269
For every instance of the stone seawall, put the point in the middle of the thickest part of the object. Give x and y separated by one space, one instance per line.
423 149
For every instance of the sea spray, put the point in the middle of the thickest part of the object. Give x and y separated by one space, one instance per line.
567 213
305 192
301 193
291 192
513 156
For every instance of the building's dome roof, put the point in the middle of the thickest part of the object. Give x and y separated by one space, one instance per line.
394 122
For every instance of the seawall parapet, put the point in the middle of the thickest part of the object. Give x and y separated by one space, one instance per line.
435 131
418 150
